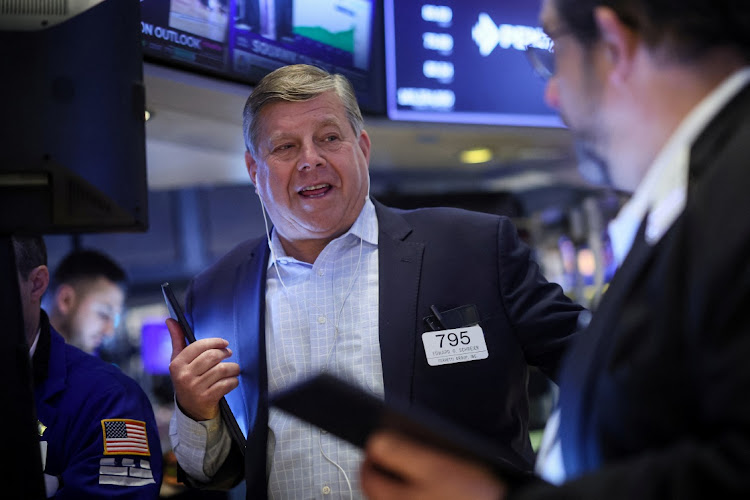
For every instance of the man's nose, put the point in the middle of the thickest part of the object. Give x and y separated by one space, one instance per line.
310 156
551 94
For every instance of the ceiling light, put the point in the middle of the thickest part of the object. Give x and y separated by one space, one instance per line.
476 155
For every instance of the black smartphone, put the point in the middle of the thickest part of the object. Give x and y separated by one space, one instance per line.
175 312
359 413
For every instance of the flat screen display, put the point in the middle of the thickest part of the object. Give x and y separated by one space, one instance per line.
463 61
243 40
156 347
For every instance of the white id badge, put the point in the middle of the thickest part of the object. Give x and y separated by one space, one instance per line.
458 345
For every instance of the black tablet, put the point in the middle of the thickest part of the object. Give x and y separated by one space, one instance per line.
353 414
175 311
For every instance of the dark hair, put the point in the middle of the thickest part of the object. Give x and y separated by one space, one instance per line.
296 83
686 28
84 265
31 252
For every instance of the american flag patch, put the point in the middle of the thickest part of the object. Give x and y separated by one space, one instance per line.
125 437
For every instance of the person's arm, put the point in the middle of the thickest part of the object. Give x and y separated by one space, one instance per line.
113 448
200 447
199 438
544 320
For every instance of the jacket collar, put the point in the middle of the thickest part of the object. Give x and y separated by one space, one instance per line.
399 272
49 363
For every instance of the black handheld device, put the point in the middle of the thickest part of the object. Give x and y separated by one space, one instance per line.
175 311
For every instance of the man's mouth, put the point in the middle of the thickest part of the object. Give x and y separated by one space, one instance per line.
315 191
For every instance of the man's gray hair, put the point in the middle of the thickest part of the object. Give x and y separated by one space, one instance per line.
296 83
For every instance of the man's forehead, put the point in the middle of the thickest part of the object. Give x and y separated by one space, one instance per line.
99 286
326 104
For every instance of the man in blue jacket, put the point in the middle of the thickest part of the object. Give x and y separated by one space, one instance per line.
97 431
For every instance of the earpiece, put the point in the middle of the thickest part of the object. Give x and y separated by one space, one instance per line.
270 246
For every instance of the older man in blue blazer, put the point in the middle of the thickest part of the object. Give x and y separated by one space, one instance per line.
348 286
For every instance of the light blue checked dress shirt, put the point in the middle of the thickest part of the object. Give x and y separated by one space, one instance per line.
338 293
321 316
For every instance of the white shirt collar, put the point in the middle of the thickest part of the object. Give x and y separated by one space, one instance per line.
662 192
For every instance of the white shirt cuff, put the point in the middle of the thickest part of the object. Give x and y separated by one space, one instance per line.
200 447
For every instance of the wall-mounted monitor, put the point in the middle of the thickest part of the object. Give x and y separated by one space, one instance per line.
156 347
463 61
243 40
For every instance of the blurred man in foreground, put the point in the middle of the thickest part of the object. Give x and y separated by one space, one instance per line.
87 299
653 396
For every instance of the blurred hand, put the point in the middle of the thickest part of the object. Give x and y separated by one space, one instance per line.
424 473
199 377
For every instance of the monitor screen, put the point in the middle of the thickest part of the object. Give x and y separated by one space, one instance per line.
243 40
156 347
464 62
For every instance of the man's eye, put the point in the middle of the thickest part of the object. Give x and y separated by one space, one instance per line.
331 138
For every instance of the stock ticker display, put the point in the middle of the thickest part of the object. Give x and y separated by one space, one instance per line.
464 61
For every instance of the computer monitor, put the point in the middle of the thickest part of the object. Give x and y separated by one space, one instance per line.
73 151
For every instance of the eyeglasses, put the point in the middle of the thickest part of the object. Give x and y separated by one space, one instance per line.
541 55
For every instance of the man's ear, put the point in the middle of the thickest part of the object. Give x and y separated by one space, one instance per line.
364 145
65 299
39 279
252 168
620 43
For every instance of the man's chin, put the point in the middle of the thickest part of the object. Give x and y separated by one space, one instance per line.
591 165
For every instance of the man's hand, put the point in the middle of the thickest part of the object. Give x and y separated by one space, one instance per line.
199 377
423 472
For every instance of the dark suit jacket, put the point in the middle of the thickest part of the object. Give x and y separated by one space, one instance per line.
442 257
655 396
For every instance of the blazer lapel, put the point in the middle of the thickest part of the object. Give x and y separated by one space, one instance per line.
249 339
250 335
400 265
716 134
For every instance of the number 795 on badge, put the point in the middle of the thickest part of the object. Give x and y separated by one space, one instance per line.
458 345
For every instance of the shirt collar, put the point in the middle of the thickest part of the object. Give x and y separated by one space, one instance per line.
661 194
365 227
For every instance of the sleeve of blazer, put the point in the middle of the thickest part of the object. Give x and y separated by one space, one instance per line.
544 319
